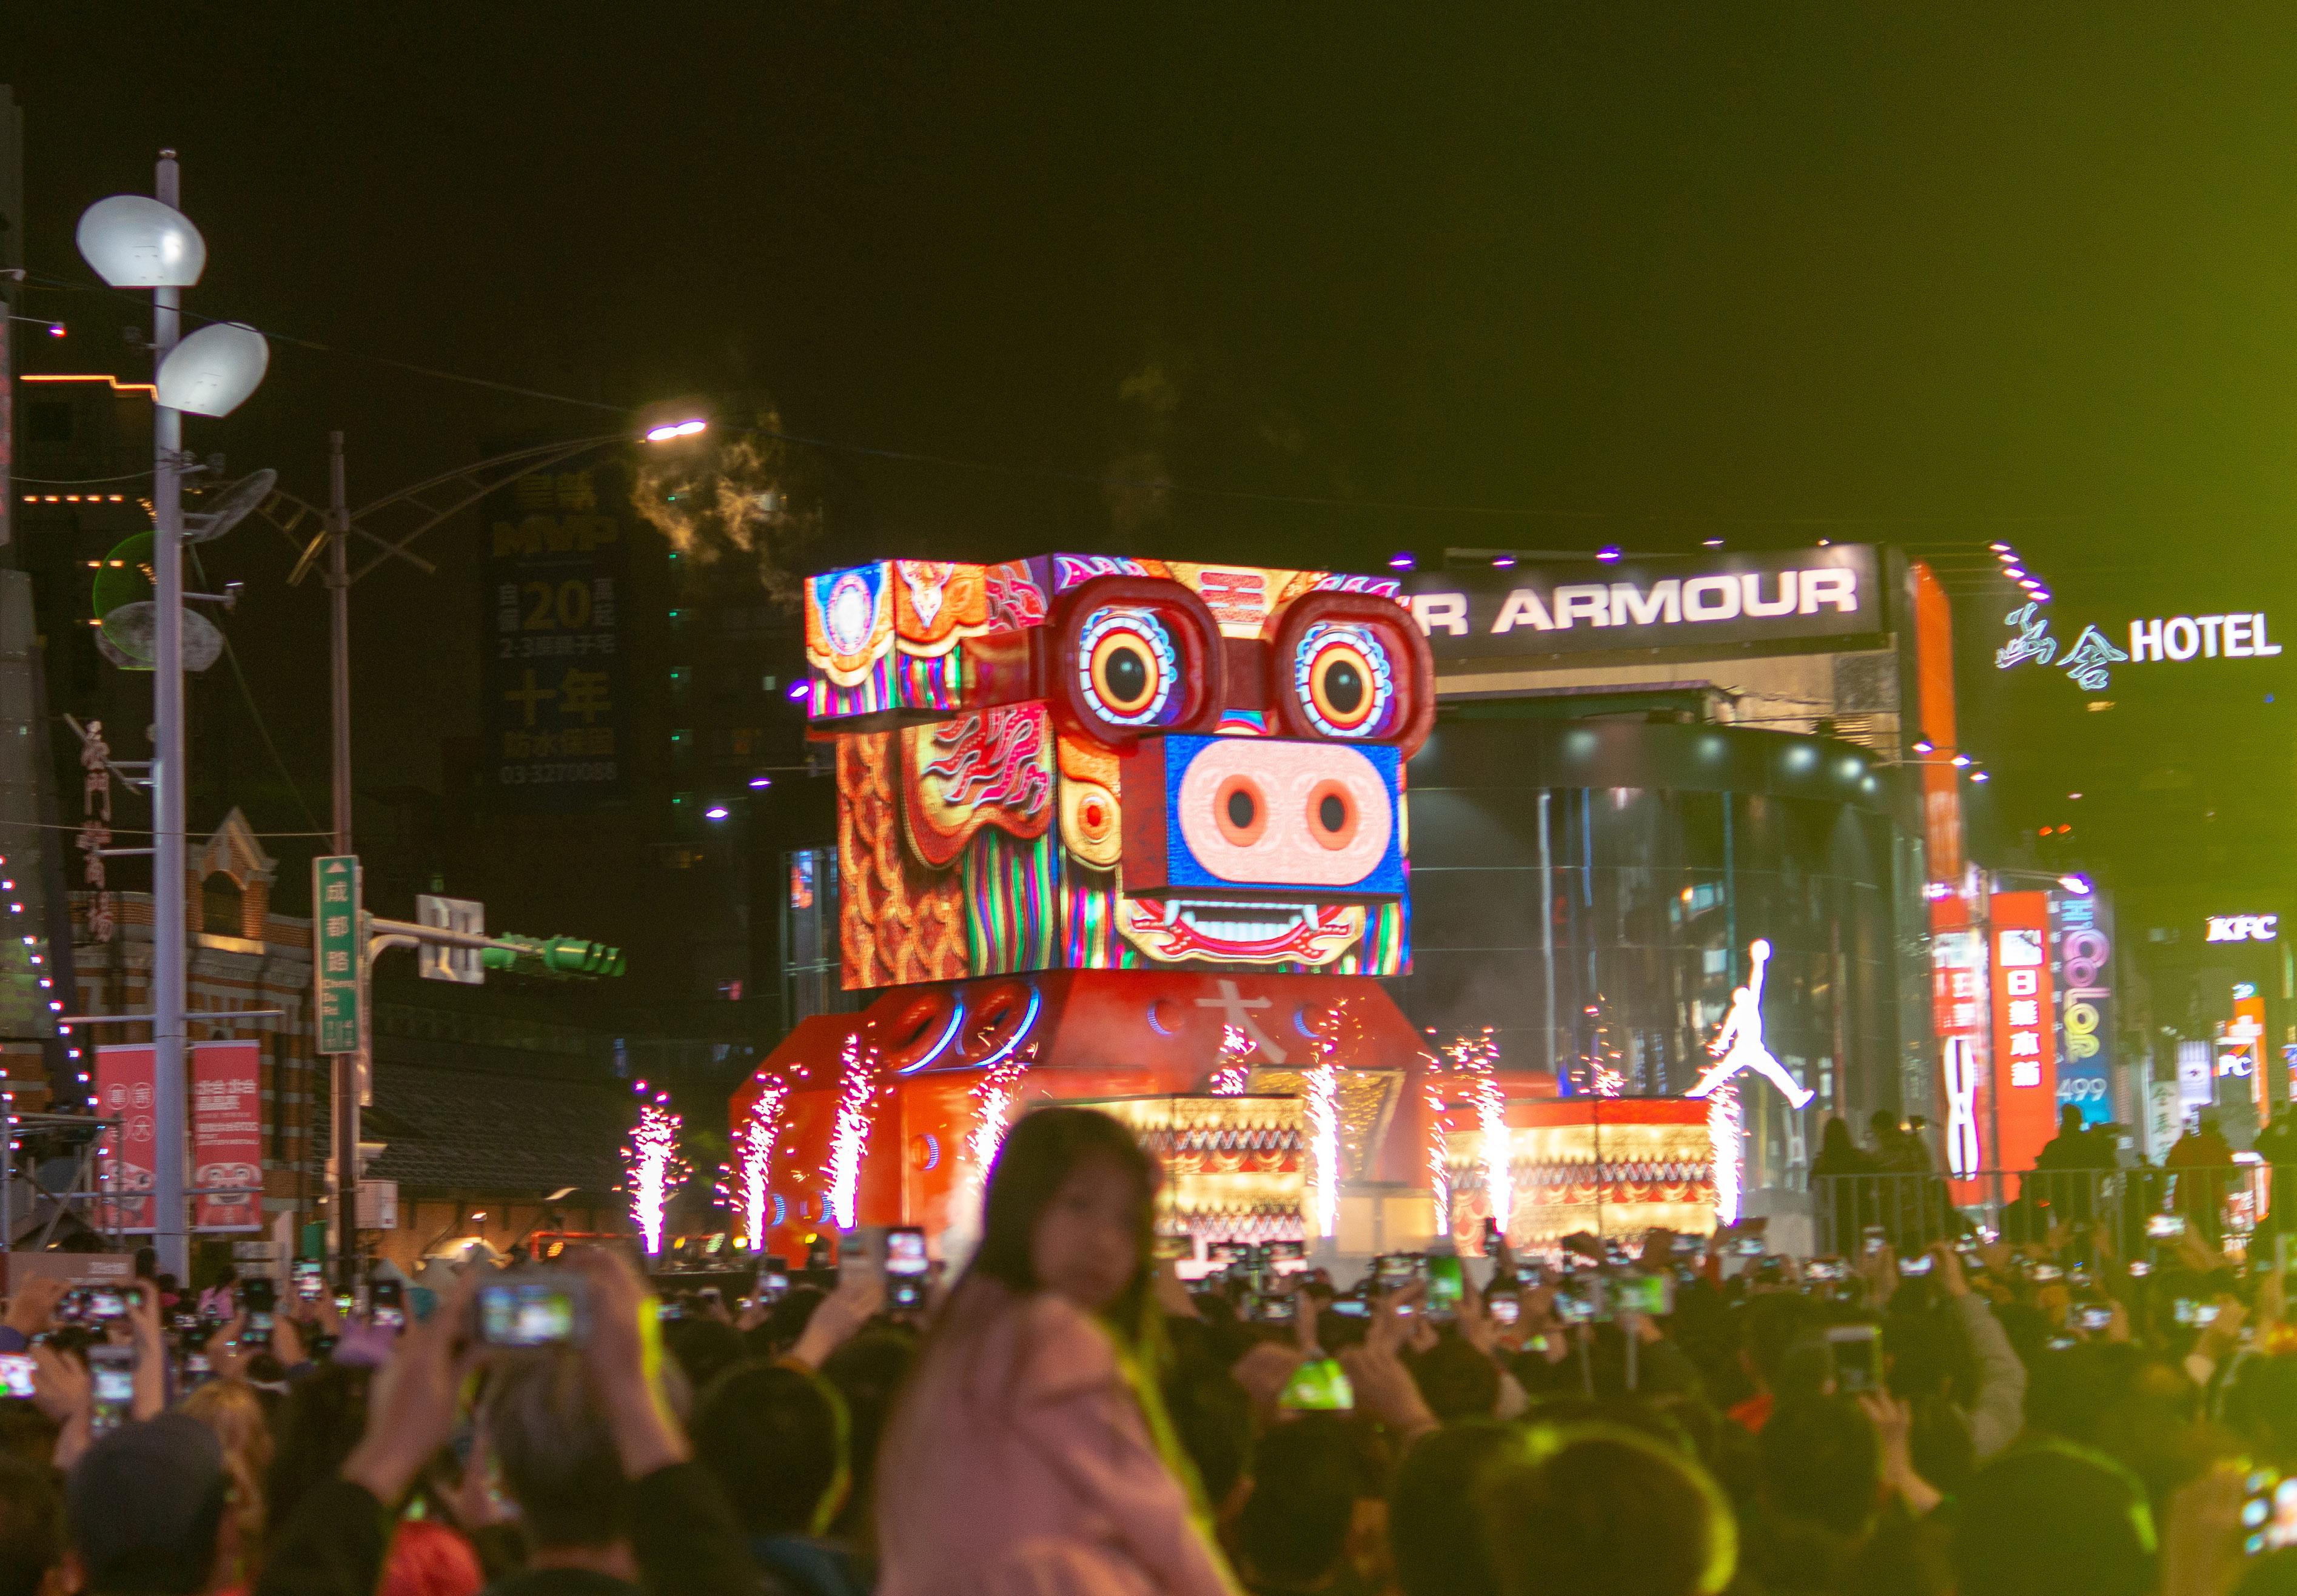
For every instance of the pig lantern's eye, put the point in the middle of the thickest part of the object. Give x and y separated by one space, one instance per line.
1343 680
1127 664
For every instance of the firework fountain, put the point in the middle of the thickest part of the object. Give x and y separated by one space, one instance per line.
654 1171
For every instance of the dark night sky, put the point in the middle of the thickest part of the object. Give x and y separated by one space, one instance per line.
1673 270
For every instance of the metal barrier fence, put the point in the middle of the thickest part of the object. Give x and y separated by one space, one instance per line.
1914 1210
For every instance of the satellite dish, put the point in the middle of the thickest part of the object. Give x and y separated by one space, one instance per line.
230 508
212 372
135 242
129 636
124 575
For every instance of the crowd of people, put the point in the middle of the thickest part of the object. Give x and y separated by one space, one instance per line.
1671 1416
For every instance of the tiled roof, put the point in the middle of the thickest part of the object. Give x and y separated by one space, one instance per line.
464 1130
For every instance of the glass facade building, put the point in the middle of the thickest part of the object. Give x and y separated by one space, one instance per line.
1588 889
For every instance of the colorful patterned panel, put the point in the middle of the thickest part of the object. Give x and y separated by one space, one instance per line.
885 637
849 641
991 769
898 921
936 603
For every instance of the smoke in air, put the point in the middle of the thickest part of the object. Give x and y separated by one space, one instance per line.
743 497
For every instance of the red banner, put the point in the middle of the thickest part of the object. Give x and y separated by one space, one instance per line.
123 1091
2024 1084
226 1133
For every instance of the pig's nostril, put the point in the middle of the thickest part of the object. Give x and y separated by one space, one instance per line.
1332 814
1241 810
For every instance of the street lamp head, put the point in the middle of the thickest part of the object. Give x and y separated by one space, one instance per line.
135 242
212 372
670 431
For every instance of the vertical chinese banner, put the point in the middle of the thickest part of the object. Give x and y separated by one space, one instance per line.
1958 1011
227 1160
124 1092
556 709
2025 1077
2085 931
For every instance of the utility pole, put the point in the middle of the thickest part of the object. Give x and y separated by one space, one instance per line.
170 1220
349 1068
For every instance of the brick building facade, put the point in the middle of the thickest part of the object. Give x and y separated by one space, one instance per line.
238 955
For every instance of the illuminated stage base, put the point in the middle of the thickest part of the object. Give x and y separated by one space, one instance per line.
1609 1166
932 1065
916 1080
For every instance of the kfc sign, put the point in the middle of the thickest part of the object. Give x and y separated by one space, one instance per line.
2244 928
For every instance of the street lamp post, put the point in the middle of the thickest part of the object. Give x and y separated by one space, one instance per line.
170 1221
138 243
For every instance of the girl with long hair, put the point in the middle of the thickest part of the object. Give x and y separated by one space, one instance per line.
1030 1455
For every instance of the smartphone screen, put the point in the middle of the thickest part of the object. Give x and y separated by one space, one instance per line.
1873 1239
1856 1349
1274 1307
2268 1514
2165 1227
16 1374
1651 1296
532 1312
2094 1316
386 1306
112 1371
1503 1310
1444 1286
905 1269
1918 1264
310 1285
1574 1301
905 1251
1319 1386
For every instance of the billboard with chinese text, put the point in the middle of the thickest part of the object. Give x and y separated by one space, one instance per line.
557 733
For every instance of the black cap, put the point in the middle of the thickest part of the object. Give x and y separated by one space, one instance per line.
145 1503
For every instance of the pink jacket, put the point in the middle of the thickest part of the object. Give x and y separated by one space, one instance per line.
1019 1464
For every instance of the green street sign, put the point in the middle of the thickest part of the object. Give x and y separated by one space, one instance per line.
335 949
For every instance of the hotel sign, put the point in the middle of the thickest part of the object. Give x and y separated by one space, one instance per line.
1724 599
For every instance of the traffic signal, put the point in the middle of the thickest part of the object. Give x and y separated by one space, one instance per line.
561 957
